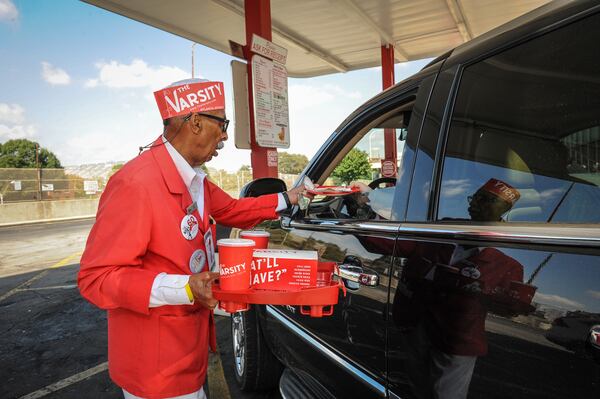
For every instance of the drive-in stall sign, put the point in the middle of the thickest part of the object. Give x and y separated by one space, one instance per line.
388 168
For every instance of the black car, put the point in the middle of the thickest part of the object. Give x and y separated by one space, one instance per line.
482 255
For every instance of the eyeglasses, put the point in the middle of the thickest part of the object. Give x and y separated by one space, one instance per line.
224 121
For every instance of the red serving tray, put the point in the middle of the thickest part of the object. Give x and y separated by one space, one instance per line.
334 190
313 301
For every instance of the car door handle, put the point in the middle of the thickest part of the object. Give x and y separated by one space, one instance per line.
358 275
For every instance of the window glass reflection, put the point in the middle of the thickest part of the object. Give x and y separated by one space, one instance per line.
480 321
529 117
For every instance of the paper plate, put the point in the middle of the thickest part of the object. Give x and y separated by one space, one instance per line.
334 190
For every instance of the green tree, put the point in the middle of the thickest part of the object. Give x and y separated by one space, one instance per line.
292 163
114 169
244 168
355 165
20 153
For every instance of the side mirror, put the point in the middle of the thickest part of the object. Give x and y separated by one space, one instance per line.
264 185
402 133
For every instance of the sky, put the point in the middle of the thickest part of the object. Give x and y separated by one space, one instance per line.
79 80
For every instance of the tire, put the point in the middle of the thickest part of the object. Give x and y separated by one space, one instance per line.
255 367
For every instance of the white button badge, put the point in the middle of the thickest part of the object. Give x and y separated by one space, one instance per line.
189 227
197 261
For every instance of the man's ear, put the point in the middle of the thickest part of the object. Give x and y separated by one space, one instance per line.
196 124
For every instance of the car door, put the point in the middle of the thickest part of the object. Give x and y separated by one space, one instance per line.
344 354
494 293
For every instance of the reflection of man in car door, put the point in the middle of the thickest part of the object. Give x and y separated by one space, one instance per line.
492 200
444 294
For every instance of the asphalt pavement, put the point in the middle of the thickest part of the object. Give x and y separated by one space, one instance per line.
53 343
26 248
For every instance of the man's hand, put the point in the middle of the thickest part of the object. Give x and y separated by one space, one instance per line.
361 186
200 283
295 192
363 198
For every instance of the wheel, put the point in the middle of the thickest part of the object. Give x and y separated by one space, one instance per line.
256 368
388 180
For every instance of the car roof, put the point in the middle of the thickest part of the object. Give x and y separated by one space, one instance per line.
537 20
534 21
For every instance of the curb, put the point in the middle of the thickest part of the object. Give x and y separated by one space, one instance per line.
26 222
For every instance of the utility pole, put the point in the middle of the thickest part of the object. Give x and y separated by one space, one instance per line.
193 45
39 171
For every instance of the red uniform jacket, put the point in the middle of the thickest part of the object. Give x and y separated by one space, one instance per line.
453 313
154 352
459 326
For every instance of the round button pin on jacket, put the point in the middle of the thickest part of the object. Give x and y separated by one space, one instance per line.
189 227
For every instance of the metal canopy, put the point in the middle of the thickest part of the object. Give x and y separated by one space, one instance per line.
327 36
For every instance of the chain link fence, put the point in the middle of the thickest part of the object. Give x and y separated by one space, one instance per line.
232 183
20 185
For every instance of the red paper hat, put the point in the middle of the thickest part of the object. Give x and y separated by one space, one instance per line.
502 190
190 95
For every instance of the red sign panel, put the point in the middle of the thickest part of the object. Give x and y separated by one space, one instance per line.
388 168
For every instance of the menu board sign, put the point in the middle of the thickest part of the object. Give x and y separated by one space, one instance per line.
270 93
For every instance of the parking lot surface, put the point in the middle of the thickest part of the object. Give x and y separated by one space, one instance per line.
53 343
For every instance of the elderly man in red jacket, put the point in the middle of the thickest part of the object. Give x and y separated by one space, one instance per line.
147 257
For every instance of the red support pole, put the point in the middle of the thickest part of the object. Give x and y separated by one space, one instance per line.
258 21
387 66
388 80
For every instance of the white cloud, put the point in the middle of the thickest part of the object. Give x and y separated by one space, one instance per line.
12 123
54 75
8 11
12 113
557 301
98 147
593 294
135 75
91 83
302 96
548 195
453 188
16 132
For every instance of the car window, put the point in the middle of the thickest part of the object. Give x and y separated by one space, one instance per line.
418 205
363 164
524 139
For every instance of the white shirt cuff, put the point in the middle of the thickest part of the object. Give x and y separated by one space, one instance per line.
169 289
281 205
